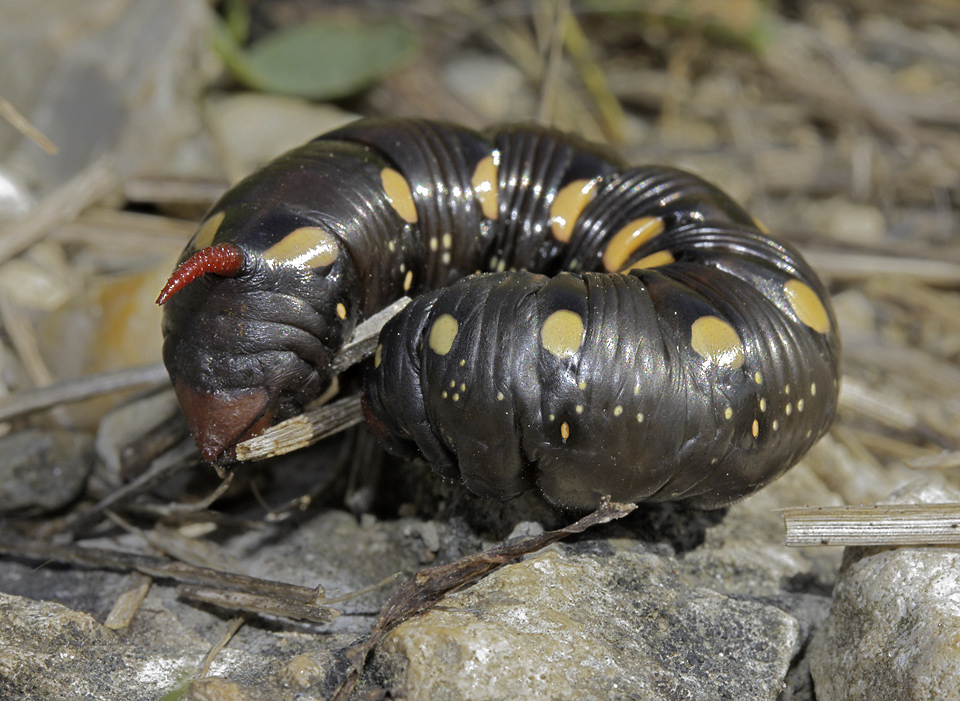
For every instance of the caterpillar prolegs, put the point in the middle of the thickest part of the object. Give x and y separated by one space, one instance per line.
578 326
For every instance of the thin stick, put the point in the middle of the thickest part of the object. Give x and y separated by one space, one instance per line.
23 125
62 205
34 400
906 524
232 627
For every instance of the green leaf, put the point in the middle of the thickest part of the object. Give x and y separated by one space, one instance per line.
321 60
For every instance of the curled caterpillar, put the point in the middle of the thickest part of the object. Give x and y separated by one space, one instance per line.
578 325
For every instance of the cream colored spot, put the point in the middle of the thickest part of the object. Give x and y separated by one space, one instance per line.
568 205
807 306
716 340
636 389
463 362
433 243
582 385
499 396
628 239
403 267
813 389
617 410
204 236
789 409
378 356
501 266
776 424
758 378
786 389
654 260
444 394
756 428
640 417
799 405
456 397
306 247
392 246
552 417
341 310
447 240
397 190
728 413
763 404
484 183
446 258
408 281
562 333
463 388
579 408
442 335
565 430
453 383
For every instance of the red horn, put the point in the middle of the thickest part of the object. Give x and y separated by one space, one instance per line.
224 259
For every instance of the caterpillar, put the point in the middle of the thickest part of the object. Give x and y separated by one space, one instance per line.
578 325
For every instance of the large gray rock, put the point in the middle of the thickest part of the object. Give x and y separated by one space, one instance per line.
893 632
568 625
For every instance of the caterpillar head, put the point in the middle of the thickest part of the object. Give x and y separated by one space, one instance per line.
252 314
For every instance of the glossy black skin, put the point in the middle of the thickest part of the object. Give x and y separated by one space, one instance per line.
637 324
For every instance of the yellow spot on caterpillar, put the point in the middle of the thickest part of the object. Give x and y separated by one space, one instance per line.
776 424
407 281
463 388
568 205
579 408
433 243
552 417
799 405
462 362
445 257
763 404
617 410
640 417
756 428
444 394
786 389
453 383
813 389
447 240
397 190
728 413
392 246
562 333
456 397
636 389
564 430
306 247
499 396
716 340
442 335
758 378
654 260
582 385
341 310
207 231
378 356
789 409
484 183
403 267
628 239
807 306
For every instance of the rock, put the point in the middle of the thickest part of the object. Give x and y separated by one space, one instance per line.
42 470
892 632
580 625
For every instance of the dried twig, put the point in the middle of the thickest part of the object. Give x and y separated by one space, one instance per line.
430 585
88 186
30 401
23 125
898 524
